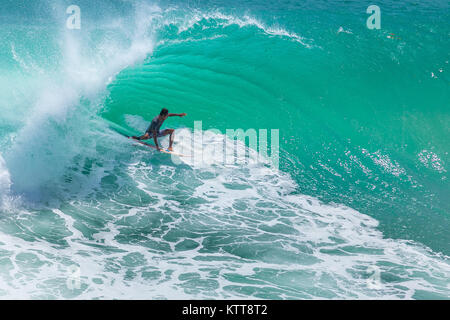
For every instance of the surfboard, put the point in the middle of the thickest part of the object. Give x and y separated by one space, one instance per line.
120 130
154 147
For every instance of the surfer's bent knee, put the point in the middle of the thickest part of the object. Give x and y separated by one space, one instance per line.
169 131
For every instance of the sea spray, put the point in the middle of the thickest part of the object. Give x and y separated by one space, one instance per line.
53 131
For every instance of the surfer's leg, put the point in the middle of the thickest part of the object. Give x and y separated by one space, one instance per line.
144 137
172 136
168 132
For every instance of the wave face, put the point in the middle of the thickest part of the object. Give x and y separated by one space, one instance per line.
357 209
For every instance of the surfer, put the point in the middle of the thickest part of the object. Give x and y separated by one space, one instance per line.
153 129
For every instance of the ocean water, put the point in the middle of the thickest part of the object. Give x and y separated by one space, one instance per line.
357 207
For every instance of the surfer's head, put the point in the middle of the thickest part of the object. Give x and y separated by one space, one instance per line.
164 113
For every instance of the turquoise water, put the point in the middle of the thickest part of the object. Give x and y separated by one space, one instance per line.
357 208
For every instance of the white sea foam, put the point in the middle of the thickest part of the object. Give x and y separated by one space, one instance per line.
219 226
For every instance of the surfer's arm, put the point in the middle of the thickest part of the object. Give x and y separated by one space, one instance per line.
177 114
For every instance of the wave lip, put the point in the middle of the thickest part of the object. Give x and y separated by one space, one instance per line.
226 20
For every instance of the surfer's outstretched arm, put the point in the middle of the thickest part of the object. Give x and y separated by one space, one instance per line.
177 114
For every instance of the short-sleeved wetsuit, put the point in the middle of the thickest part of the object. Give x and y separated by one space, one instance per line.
154 126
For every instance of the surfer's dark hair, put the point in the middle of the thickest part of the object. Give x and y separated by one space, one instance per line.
164 112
